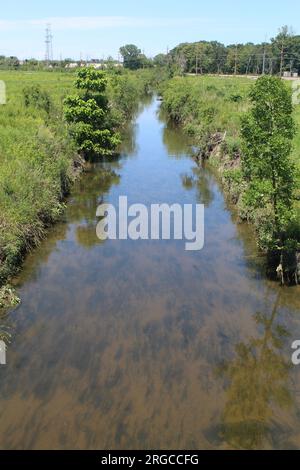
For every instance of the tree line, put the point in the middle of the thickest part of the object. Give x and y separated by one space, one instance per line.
281 54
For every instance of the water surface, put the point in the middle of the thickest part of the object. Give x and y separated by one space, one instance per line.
141 344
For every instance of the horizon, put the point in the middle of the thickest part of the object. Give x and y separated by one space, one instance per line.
98 31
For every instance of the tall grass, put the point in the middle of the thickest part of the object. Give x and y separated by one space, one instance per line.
36 161
37 154
209 106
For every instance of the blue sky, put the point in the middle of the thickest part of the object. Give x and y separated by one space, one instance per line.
97 29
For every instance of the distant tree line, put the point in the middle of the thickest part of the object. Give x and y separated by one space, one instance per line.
9 62
279 55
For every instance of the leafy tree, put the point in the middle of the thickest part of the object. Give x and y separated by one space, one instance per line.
131 56
88 113
160 60
267 133
283 52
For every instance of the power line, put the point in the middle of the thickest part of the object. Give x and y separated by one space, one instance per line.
49 45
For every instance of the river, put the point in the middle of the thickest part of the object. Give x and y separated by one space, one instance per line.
141 344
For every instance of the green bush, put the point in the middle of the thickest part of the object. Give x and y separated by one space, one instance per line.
38 98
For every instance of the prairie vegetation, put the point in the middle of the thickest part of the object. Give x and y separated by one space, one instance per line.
38 156
212 110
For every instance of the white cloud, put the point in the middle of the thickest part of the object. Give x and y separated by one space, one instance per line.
97 22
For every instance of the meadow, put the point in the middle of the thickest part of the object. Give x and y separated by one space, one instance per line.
38 158
210 108
36 164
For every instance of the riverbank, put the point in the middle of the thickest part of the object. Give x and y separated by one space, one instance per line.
109 334
39 161
210 109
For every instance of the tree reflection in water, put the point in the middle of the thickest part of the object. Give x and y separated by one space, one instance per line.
6 327
200 180
90 194
257 383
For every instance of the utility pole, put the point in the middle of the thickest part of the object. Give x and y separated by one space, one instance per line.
264 61
49 45
281 58
168 57
235 60
198 60
271 66
248 65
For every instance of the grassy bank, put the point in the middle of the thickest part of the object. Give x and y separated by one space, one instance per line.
38 159
210 110
36 164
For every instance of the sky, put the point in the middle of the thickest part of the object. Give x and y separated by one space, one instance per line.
97 29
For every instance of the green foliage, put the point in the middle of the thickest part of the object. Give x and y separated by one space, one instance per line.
215 58
205 104
38 159
267 132
7 63
132 57
89 115
8 298
36 162
126 89
90 81
38 98
209 109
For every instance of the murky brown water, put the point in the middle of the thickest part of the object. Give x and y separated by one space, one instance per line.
141 344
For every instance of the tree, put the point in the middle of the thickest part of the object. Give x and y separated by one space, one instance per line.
267 133
88 114
131 56
285 47
160 60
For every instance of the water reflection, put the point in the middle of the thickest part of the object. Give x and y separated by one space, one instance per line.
89 194
129 140
176 143
5 329
202 182
258 383
115 345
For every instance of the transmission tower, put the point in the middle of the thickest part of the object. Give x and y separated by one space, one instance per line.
49 45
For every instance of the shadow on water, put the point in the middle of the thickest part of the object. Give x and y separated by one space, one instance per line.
116 344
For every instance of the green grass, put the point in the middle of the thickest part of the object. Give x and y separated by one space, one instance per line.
203 104
207 106
36 159
296 156
37 154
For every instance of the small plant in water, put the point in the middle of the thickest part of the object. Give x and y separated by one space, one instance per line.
8 297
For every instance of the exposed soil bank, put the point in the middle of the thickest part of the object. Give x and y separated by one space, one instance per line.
285 265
